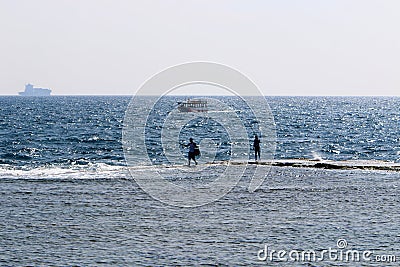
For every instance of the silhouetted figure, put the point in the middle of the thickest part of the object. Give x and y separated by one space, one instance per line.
256 146
191 155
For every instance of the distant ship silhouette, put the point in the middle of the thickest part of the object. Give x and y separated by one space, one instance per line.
33 91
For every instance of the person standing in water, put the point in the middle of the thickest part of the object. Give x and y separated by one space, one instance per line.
191 155
256 146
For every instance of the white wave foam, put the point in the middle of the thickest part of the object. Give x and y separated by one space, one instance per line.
316 156
105 171
91 171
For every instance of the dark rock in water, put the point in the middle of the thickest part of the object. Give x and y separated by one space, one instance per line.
326 164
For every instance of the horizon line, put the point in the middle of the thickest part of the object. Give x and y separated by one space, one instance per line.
131 95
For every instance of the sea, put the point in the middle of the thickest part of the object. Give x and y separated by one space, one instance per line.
68 198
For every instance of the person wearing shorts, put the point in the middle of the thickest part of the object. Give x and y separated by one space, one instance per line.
191 155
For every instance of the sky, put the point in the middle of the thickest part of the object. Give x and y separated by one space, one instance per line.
286 47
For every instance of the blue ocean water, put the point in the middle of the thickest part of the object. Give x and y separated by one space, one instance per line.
82 130
41 131
338 128
68 200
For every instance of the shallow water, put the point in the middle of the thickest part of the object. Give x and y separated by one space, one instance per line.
110 221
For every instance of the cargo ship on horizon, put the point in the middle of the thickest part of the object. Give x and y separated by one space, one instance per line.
34 91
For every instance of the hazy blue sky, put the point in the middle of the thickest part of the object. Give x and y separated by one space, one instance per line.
309 47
